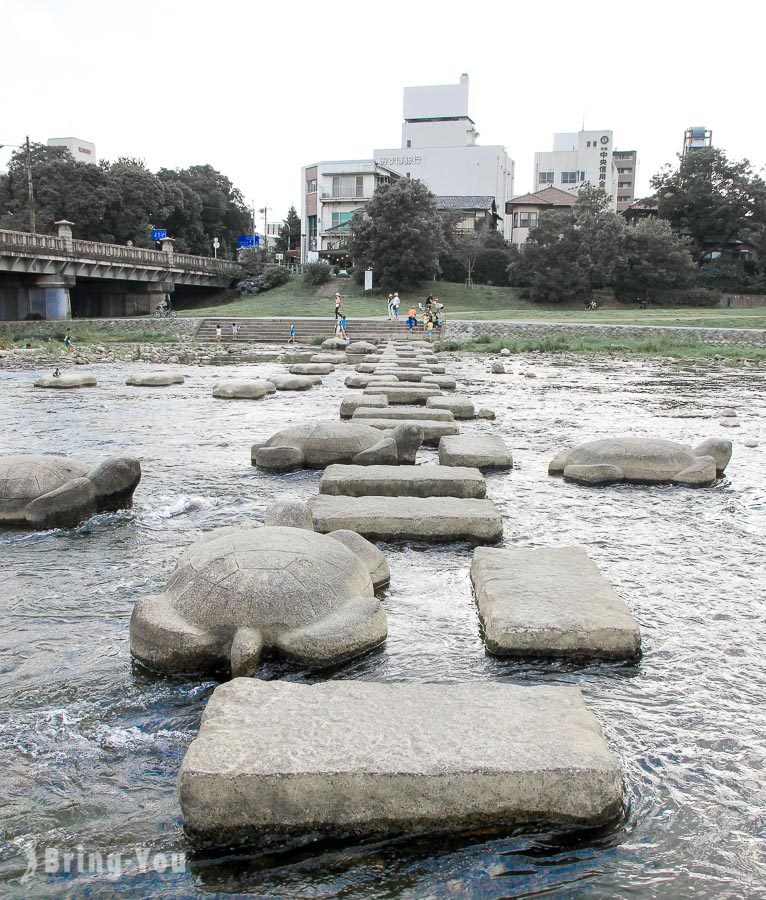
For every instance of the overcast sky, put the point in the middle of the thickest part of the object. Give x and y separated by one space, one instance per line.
259 89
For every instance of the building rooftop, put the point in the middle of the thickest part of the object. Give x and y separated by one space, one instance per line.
550 196
469 202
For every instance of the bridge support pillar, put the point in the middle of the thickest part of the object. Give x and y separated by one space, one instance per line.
49 297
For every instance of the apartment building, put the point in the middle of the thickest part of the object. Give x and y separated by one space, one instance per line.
438 147
625 164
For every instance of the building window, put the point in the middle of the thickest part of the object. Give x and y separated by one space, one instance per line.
409 144
626 170
624 184
340 218
311 186
312 232
348 186
582 176
545 178
622 198
525 220
569 177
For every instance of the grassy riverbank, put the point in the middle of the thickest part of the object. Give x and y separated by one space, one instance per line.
653 346
482 302
47 335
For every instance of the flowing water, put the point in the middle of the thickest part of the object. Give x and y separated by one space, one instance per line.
90 747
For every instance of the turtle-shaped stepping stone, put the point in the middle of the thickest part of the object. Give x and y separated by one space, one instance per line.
318 444
56 492
645 460
239 592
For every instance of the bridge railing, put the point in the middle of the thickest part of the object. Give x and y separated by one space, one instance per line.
26 244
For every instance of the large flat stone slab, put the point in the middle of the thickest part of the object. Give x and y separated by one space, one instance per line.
349 405
435 519
403 393
479 451
402 374
154 379
311 369
459 405
550 602
364 381
401 412
433 431
294 382
402 481
353 757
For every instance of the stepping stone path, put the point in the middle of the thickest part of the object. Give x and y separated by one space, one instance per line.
403 481
401 413
295 382
311 369
486 451
436 519
354 756
349 405
550 602
403 394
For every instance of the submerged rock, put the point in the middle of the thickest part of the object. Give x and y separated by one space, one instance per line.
154 379
243 389
67 381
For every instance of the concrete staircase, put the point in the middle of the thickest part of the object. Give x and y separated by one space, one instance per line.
277 330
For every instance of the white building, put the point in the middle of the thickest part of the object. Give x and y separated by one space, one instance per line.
82 151
576 159
439 147
330 193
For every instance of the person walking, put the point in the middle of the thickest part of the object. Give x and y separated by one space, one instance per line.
218 334
68 340
292 335
342 328
233 331
390 307
395 305
338 313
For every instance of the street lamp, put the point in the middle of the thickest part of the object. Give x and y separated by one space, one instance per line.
265 211
30 192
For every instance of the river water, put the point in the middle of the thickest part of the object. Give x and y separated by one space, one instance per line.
90 748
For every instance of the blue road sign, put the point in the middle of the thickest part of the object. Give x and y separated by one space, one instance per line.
159 234
249 240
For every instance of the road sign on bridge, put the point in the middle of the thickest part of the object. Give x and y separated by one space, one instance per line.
159 234
248 240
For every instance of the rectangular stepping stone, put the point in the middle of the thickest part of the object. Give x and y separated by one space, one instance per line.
401 373
478 451
445 382
404 393
433 431
349 405
399 412
550 601
402 481
459 405
435 519
369 757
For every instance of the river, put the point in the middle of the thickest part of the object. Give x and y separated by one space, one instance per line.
90 747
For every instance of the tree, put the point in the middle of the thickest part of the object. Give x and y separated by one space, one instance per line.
135 198
466 250
571 251
290 233
399 234
656 261
711 199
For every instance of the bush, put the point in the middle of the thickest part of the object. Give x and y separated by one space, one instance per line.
317 273
276 275
692 296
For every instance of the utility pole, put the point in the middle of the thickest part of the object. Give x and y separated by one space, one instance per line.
30 192
265 211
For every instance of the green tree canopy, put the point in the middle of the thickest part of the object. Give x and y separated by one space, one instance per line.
711 199
655 260
399 234
117 202
290 233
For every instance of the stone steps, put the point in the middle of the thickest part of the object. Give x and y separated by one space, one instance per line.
277 330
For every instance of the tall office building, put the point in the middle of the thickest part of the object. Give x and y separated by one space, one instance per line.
625 165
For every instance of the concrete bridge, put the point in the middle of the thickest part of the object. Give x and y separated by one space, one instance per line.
57 277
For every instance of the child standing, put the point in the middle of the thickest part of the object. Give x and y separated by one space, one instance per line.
218 334
68 340
292 335
234 331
